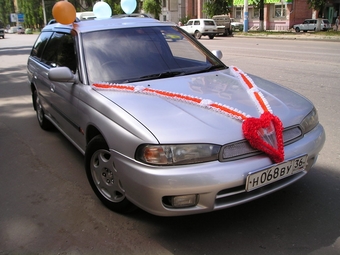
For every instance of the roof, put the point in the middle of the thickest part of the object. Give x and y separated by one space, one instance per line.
83 26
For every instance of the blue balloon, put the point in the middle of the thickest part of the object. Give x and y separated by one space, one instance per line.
128 6
102 10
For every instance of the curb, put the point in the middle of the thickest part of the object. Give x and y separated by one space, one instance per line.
305 37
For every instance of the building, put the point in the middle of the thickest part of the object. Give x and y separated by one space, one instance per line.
278 14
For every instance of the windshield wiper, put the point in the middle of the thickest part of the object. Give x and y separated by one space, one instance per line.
207 69
154 76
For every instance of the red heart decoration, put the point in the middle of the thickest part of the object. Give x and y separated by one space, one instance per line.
256 131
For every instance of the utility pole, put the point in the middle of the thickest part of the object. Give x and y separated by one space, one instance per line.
245 17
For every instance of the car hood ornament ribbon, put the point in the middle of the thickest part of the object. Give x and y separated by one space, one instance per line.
263 133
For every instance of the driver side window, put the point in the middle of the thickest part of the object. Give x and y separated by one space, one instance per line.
60 51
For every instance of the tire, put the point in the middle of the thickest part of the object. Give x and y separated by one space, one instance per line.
198 35
211 36
297 30
43 122
104 177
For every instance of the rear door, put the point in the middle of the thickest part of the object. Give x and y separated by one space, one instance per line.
312 25
38 71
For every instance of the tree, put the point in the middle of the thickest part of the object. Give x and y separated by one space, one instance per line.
7 7
153 6
319 6
217 7
260 5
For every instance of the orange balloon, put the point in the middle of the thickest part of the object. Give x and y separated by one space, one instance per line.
64 12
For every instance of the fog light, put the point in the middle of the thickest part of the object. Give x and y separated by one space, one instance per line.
184 201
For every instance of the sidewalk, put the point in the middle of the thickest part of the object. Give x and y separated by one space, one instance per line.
291 35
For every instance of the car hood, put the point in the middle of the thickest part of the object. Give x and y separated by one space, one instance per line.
178 121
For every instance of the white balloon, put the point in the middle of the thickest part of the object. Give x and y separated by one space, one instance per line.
128 6
102 10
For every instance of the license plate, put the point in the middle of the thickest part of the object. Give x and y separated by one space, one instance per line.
275 173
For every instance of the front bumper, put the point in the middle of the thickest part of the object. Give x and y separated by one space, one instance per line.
218 185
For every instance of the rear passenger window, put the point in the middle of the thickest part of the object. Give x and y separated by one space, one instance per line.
40 44
60 51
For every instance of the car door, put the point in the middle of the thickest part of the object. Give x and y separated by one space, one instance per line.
38 71
189 27
305 25
197 26
312 25
63 96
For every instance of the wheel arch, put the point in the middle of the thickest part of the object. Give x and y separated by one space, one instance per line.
33 88
92 132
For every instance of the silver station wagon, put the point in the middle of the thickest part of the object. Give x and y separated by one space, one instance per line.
163 123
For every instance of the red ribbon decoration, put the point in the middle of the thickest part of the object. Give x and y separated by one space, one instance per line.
263 133
252 129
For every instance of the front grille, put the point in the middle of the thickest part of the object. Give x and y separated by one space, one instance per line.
242 149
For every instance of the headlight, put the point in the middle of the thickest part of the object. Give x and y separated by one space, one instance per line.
177 154
310 121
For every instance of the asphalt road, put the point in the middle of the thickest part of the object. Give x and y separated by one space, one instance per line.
48 207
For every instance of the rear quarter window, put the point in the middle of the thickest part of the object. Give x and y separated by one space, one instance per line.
209 23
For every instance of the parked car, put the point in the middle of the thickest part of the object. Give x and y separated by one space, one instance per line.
12 30
236 25
165 125
20 30
310 25
2 30
201 27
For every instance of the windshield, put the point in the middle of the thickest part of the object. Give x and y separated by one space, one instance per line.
136 54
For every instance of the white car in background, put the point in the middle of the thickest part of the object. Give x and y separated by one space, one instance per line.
310 25
236 25
199 27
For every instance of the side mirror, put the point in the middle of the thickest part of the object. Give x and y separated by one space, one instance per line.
217 53
62 74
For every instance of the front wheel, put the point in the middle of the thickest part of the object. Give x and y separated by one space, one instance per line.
104 177
297 30
211 36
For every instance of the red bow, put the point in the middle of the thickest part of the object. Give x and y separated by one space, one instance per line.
265 134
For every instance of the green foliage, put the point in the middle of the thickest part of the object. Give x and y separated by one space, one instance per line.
33 10
153 6
7 7
217 7
185 20
317 5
